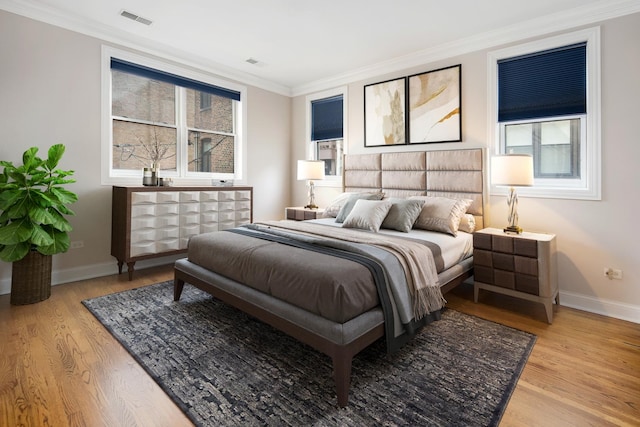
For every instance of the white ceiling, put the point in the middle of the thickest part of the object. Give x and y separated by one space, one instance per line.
300 44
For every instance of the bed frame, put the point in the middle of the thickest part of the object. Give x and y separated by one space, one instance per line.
449 173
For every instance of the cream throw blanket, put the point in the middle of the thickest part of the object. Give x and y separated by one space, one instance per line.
416 259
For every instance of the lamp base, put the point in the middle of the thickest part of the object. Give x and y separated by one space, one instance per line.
513 229
311 206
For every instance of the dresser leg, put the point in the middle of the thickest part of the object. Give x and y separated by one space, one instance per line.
130 269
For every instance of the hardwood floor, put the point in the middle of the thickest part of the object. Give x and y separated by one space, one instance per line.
60 367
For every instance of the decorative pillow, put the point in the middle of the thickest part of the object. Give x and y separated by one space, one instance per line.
403 214
441 213
367 214
351 201
467 223
336 204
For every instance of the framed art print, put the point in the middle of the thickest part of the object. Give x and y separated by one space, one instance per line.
435 106
385 112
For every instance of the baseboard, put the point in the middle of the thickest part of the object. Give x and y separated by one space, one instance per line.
618 310
92 271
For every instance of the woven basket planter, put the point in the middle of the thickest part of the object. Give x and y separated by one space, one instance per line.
31 279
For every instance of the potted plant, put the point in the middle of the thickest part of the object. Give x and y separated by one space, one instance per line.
33 227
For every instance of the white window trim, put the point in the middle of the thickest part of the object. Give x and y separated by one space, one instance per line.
334 180
108 177
591 190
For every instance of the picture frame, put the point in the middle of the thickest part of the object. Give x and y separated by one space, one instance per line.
385 109
435 106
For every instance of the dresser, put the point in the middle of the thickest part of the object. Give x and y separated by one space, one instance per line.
520 265
150 222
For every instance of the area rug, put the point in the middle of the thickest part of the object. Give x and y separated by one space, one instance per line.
224 368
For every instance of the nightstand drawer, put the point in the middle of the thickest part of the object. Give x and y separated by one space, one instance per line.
502 244
526 265
482 257
525 247
528 284
502 261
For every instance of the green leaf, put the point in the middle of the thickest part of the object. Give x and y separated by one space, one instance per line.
64 196
60 244
55 154
16 232
11 253
8 198
59 222
40 237
20 208
29 157
65 210
40 215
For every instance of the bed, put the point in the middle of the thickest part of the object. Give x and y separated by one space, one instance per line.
374 305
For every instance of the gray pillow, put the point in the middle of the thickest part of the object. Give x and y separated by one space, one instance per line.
351 201
441 213
367 215
403 214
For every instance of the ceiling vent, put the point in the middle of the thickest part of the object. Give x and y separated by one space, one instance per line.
136 18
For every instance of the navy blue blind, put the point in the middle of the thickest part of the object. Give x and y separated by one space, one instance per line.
544 84
326 118
152 73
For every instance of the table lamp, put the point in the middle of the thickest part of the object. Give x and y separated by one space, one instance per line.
311 170
512 170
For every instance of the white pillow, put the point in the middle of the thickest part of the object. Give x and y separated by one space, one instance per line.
351 201
467 223
367 214
336 204
441 213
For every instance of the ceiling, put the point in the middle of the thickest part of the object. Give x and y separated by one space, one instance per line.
303 44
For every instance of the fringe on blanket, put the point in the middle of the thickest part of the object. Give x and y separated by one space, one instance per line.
427 300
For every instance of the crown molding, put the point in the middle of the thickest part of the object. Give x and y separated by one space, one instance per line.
29 9
561 21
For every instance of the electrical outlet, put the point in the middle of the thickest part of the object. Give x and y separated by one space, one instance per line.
613 273
77 244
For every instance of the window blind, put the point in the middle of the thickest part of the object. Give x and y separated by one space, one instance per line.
543 84
163 76
327 118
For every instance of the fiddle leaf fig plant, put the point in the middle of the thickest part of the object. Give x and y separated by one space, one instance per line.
33 205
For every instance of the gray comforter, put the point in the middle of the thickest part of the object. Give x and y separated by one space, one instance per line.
335 278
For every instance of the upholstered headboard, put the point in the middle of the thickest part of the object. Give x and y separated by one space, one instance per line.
447 173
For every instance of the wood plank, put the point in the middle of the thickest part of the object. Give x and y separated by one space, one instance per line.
60 366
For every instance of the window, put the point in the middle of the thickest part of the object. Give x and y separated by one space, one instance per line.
546 103
183 123
325 130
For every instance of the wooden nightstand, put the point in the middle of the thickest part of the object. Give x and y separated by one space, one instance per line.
520 265
301 214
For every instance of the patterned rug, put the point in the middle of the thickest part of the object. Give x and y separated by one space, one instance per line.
224 368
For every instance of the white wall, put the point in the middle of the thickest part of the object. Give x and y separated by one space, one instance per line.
50 93
590 234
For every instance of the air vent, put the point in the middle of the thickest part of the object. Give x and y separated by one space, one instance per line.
136 18
252 61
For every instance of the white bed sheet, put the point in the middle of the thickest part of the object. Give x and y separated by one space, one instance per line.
454 248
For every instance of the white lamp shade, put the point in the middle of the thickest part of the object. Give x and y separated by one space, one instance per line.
310 169
513 170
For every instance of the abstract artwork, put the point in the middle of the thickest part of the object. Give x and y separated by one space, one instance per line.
384 113
435 106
